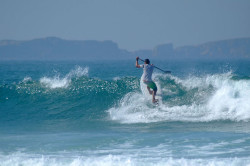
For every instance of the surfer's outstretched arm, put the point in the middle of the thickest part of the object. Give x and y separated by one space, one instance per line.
137 64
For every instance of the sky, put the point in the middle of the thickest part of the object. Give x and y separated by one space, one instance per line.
132 24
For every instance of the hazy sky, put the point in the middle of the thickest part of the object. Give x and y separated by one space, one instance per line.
133 24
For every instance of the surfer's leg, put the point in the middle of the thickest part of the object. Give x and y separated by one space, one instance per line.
153 97
154 87
150 91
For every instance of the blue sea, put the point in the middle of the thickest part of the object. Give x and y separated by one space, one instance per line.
98 113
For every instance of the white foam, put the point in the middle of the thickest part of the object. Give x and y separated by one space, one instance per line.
57 82
229 100
116 78
27 79
133 109
114 160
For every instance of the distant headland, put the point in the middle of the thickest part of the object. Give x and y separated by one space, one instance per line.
53 48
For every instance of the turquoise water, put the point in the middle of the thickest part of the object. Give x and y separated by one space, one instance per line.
99 113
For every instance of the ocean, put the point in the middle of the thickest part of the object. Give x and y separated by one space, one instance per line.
98 113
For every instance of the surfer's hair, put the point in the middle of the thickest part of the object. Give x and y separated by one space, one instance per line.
147 61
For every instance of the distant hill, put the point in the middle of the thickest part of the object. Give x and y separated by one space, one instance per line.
224 49
53 48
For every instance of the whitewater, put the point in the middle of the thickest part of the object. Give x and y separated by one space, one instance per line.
200 99
100 113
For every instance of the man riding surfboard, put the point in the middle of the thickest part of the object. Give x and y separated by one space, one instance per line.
147 77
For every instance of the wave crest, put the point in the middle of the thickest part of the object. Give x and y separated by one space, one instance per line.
57 82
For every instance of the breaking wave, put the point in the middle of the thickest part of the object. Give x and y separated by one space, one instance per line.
194 99
113 160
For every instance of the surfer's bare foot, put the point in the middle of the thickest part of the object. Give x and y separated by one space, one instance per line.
155 101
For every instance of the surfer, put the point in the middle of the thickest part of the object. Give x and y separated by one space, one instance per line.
147 77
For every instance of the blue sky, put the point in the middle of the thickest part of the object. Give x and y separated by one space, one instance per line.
133 24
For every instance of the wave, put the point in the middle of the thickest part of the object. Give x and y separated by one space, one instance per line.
194 99
76 96
109 160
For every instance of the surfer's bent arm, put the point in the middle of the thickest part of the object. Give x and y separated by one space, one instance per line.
137 64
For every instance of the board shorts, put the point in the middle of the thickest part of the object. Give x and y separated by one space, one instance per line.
151 85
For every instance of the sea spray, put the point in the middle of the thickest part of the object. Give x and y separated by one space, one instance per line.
57 82
231 100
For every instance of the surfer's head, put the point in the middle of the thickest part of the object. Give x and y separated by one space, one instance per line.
147 61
